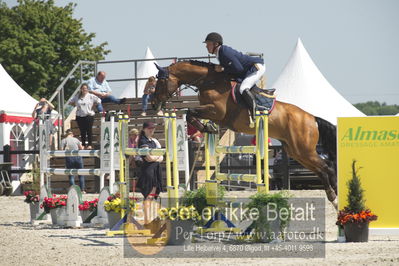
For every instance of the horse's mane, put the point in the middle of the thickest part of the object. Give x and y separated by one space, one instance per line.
200 63
210 66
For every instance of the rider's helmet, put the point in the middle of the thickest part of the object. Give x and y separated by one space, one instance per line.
214 37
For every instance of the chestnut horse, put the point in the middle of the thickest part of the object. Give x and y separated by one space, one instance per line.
298 131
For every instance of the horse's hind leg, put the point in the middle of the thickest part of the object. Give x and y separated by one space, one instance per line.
312 161
332 174
323 171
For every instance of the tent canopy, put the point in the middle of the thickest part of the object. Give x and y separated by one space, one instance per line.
301 83
14 100
145 69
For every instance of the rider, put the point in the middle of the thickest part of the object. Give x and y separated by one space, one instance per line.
243 67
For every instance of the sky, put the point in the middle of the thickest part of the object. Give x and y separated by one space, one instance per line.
354 43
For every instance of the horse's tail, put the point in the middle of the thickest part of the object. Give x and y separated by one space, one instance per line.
328 139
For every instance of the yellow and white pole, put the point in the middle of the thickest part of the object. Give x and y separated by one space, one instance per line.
167 159
265 117
175 160
258 152
122 134
207 158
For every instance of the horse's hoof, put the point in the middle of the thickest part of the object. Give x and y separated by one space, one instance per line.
210 128
335 204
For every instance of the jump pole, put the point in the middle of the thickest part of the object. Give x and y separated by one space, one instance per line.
170 153
261 151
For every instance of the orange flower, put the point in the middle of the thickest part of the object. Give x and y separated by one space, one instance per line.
347 216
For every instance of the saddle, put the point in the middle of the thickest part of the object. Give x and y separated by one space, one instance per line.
264 98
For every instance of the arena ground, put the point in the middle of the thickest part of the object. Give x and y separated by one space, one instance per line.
24 244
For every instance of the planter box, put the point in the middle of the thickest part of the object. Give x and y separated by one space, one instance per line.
356 232
34 210
267 235
58 215
85 214
113 218
179 232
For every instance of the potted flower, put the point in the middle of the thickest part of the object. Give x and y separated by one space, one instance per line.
198 199
33 199
264 229
355 217
88 208
56 206
179 223
113 207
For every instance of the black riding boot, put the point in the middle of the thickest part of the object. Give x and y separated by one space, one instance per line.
250 101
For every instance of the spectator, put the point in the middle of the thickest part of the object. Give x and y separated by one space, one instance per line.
100 88
43 107
134 161
84 101
74 162
193 133
150 179
148 90
133 138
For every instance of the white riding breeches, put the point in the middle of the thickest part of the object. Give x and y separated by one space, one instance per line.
251 80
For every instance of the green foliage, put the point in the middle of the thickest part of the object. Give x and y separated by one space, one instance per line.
356 202
260 200
198 198
376 108
41 42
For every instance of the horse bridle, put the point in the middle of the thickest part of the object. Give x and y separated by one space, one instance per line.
189 85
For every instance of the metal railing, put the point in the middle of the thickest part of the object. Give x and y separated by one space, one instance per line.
64 109
59 93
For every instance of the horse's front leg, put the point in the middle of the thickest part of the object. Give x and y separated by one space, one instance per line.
207 111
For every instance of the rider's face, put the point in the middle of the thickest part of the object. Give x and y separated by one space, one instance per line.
210 46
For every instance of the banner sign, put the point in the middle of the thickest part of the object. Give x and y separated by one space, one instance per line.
374 143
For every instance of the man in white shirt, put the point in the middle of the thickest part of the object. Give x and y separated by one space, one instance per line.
100 87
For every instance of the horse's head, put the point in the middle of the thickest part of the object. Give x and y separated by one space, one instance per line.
184 72
166 85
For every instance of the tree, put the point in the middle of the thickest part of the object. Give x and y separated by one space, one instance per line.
41 42
355 193
376 108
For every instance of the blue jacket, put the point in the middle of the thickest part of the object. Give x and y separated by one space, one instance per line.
237 63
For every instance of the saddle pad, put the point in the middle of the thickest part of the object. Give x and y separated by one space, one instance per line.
264 102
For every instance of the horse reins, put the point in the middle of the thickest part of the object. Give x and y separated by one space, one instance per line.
195 82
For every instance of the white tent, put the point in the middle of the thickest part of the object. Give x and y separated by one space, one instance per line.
14 100
16 107
301 83
145 69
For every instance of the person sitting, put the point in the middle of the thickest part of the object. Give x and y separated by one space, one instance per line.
99 86
73 162
242 67
148 90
